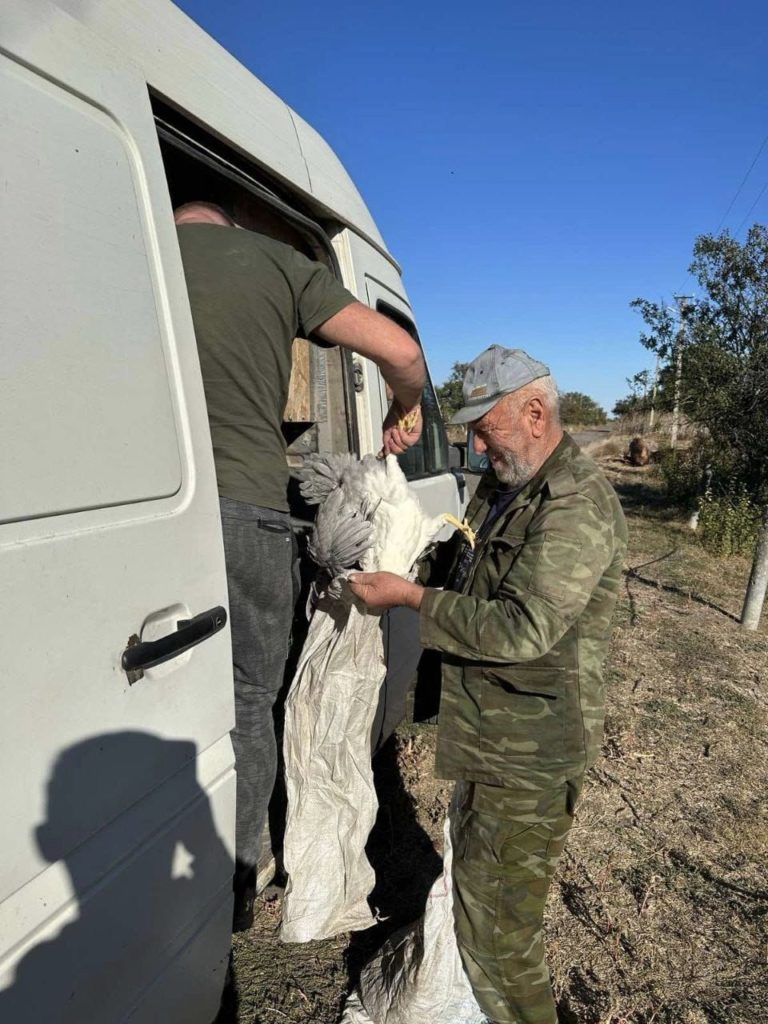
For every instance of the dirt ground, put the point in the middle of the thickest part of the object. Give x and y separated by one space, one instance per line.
659 913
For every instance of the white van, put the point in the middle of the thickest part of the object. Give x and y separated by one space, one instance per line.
118 787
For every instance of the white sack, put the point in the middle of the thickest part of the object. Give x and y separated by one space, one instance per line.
331 799
333 699
417 975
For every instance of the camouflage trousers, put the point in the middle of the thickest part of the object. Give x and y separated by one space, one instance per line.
507 843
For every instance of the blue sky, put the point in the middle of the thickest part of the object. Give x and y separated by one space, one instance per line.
533 167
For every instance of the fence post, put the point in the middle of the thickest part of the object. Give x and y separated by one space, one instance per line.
758 580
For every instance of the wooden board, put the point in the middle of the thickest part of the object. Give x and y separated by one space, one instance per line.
298 408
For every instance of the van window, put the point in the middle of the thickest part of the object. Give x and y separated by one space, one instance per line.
430 455
86 417
320 413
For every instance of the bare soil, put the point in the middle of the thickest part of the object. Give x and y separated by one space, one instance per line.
659 913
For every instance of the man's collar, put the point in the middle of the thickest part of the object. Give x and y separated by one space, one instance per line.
561 454
487 488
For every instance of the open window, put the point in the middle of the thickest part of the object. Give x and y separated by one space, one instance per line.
430 455
320 412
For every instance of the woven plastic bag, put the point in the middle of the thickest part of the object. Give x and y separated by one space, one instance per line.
417 975
369 517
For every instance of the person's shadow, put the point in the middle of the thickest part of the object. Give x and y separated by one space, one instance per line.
146 935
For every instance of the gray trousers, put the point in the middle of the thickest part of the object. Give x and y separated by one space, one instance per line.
260 553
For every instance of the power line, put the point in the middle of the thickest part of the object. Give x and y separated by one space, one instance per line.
760 195
741 186
736 195
732 203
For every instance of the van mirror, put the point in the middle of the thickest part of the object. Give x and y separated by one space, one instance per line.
475 463
457 454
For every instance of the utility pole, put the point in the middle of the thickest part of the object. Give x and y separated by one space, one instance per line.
758 581
682 302
652 416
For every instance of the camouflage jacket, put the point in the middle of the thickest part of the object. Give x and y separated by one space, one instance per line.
524 640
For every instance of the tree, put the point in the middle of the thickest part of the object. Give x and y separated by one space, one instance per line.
724 334
641 393
758 580
576 407
722 338
449 393
627 406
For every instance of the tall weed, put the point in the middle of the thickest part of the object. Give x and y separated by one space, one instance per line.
682 471
729 523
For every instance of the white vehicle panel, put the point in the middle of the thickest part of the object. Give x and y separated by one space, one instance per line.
86 416
117 847
170 50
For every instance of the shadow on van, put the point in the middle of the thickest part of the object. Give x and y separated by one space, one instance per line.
146 934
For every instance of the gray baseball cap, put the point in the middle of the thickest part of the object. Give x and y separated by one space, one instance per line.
496 372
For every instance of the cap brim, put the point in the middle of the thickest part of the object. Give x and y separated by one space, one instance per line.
475 411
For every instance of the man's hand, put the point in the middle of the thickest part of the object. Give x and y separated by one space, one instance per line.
382 590
401 429
399 358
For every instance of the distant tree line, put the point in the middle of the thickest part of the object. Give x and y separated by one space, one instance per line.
449 393
579 409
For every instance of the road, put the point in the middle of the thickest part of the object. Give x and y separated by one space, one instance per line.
585 437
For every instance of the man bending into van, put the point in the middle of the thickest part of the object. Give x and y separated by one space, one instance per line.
250 297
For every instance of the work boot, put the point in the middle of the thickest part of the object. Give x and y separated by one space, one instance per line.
250 881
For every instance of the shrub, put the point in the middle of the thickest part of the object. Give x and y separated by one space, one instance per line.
682 471
729 523
687 472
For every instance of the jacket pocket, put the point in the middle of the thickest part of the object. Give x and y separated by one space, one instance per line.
495 563
524 712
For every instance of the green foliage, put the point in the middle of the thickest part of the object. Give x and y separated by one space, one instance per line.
724 339
729 520
449 393
683 474
628 406
729 523
641 393
578 408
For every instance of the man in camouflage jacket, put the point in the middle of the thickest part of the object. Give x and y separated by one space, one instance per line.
523 625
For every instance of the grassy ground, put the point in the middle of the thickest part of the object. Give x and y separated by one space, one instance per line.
659 914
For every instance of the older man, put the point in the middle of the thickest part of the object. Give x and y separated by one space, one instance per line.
250 296
523 624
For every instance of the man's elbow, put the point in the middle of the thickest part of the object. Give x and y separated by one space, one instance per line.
409 359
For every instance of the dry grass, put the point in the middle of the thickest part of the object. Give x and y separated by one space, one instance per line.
612 446
659 913
660 910
639 424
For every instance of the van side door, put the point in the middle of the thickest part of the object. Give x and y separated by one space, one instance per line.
117 768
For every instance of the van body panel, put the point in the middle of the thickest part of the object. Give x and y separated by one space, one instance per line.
167 888
170 49
74 368
115 898
118 848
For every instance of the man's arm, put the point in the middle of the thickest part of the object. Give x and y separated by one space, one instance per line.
546 590
398 357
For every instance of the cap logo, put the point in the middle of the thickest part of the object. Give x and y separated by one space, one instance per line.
479 392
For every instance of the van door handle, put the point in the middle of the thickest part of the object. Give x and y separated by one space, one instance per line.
143 654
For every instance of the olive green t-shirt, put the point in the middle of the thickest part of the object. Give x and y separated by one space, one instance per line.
250 297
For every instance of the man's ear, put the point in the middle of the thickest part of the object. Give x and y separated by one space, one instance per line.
536 416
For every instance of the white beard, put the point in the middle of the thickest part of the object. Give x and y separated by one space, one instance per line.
512 470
